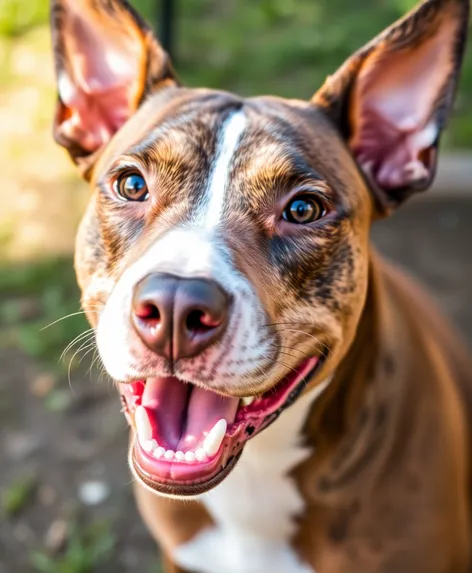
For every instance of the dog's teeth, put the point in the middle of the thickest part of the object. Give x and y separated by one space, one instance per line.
179 456
248 400
201 455
143 424
169 455
212 442
189 456
149 445
159 452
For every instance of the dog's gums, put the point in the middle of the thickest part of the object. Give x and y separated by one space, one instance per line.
186 436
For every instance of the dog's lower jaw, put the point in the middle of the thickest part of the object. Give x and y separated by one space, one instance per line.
185 491
184 473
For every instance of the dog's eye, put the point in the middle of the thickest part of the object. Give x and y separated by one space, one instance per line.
132 187
303 210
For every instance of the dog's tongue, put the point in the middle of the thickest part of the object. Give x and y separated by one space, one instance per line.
181 413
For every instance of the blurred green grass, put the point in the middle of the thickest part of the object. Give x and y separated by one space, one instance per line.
17 495
32 296
86 549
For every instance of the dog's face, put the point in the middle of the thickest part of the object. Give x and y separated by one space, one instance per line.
224 255
231 197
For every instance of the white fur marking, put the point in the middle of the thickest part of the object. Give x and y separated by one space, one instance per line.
185 252
232 131
255 506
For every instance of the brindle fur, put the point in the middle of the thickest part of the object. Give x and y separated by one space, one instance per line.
388 489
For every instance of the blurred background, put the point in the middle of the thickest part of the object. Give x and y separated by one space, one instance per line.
65 495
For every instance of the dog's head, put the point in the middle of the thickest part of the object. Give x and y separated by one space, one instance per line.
224 255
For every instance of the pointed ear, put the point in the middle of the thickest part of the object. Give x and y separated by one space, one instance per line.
107 61
392 99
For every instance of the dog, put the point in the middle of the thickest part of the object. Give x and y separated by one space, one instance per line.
296 403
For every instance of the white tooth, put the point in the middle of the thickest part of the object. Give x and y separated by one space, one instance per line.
159 452
149 445
189 456
200 455
248 400
143 424
212 442
179 456
169 455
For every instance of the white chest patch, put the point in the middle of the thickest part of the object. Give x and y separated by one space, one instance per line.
255 506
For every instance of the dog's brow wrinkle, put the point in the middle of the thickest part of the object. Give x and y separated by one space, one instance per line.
229 140
142 149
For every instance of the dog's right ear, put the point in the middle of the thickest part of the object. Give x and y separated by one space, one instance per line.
107 61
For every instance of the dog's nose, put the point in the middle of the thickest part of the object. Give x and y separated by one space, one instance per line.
178 317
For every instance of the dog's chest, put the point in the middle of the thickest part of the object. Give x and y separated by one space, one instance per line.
255 506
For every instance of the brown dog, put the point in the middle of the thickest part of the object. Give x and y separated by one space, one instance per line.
274 368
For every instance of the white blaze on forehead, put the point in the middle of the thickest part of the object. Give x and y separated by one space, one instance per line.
219 176
186 252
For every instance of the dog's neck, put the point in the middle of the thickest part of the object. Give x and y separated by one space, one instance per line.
357 369
366 398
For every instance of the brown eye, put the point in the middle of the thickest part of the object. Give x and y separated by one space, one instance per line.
132 187
303 210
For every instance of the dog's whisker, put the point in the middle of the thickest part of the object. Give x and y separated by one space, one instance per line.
85 346
306 334
288 354
102 372
280 363
91 347
293 323
96 358
86 334
64 318
291 349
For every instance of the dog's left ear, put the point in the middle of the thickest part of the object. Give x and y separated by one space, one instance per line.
107 61
392 98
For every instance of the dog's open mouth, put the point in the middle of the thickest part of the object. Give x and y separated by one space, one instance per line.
188 438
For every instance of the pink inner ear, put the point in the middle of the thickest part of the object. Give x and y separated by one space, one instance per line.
100 83
394 110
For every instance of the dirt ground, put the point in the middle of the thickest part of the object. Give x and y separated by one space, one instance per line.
63 465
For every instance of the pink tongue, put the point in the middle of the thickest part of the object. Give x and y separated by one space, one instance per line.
166 402
180 413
